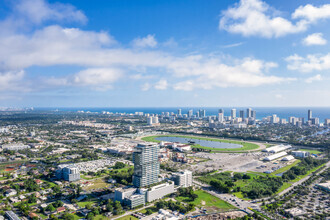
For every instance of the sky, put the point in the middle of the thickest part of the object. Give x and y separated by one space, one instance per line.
164 53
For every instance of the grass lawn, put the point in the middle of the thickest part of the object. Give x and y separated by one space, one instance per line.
283 169
311 151
209 200
269 145
283 187
97 217
83 204
42 216
97 184
128 217
152 208
246 145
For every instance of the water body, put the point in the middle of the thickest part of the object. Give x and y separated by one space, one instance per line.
204 143
282 112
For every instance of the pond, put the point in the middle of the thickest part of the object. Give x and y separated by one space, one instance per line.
204 143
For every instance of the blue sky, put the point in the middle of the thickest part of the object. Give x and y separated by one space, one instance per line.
121 53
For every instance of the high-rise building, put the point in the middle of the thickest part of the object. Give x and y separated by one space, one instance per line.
241 114
146 165
310 115
220 117
248 113
190 113
315 121
254 114
221 111
69 173
202 113
179 111
274 119
152 120
197 114
233 113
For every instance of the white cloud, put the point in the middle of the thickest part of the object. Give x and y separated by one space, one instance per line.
145 87
12 80
314 39
96 78
148 41
279 96
232 45
312 13
104 61
161 84
256 18
38 11
309 63
313 78
247 73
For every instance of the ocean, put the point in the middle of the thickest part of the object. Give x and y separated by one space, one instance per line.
261 112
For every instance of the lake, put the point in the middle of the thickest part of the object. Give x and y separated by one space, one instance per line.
204 143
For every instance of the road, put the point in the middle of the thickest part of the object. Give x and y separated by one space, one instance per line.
133 211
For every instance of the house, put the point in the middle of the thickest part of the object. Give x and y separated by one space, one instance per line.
10 192
112 181
33 215
82 197
60 209
84 211
38 181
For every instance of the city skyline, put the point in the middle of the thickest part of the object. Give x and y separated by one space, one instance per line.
164 53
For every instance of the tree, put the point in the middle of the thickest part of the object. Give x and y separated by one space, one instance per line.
50 208
119 165
68 216
33 198
88 206
118 208
90 216
194 196
109 207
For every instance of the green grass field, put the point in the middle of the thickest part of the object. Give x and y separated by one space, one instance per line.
286 168
246 145
128 217
83 204
209 200
311 151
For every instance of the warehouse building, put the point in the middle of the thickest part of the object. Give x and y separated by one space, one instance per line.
287 158
277 148
275 156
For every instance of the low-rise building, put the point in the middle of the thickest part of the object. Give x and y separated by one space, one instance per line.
11 215
132 197
159 191
10 192
324 186
301 154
